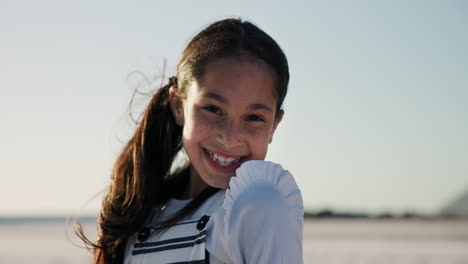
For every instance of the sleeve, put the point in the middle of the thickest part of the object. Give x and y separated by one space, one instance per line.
262 216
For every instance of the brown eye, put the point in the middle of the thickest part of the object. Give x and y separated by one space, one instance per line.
255 118
213 109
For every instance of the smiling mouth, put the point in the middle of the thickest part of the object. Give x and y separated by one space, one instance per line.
224 161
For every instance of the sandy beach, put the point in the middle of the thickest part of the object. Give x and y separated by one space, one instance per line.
325 241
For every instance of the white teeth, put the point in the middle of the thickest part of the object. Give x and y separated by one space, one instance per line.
230 159
222 160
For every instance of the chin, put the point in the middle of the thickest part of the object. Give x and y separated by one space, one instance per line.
222 184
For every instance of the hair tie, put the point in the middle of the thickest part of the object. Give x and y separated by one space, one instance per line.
173 81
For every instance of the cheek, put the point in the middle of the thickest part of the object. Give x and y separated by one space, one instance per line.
259 134
196 126
259 139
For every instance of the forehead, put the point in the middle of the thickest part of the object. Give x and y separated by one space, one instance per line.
238 80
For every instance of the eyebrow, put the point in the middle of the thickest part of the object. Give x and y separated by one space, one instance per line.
260 106
223 100
215 96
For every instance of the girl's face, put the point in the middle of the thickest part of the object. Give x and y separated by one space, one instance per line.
228 117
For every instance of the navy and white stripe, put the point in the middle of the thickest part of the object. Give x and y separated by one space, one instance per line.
174 243
182 243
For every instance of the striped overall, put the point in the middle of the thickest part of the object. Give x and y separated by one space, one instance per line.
183 243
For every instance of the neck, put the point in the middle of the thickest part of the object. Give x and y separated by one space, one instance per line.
196 184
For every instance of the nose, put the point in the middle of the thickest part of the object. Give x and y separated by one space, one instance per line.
230 134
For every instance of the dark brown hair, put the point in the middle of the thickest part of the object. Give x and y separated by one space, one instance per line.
141 176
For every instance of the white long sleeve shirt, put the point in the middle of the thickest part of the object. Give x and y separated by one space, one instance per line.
258 219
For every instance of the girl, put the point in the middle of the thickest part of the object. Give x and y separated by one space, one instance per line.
226 205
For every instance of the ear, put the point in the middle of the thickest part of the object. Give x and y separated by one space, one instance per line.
177 106
278 119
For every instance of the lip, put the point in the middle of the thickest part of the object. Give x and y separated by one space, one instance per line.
223 169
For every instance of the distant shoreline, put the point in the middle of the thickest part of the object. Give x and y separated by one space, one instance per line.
46 219
330 214
324 214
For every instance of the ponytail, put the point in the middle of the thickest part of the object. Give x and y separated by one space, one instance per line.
138 178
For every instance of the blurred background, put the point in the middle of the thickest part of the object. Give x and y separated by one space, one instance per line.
374 132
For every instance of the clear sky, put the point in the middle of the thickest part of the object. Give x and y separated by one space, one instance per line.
376 115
